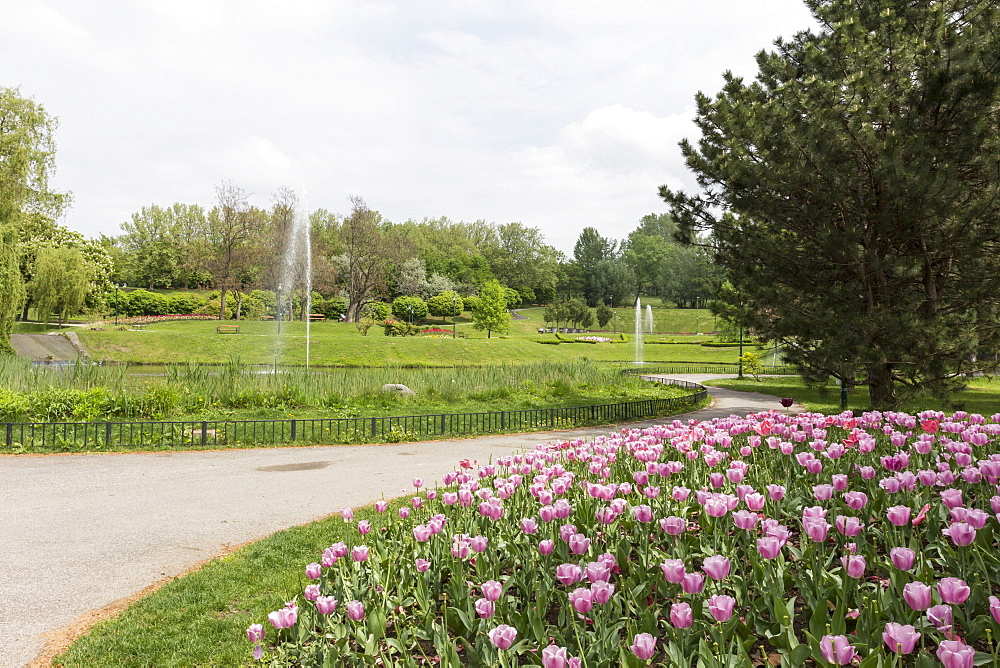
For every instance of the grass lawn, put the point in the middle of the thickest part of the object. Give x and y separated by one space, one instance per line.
981 396
340 344
200 619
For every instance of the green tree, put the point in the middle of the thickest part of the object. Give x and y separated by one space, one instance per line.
491 312
410 309
852 193
604 315
445 305
11 287
590 250
62 280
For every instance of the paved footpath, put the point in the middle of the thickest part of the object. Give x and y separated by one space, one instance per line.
79 532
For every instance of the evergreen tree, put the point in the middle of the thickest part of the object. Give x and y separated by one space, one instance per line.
853 193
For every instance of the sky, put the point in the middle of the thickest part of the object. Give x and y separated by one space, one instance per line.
556 114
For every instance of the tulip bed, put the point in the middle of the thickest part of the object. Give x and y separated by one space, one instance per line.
809 539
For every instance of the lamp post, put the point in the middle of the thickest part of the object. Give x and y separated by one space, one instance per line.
454 314
277 307
117 293
740 375
411 313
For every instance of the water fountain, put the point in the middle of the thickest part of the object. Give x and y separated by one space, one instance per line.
649 319
296 268
638 331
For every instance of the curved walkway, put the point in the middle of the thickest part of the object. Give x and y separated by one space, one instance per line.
80 532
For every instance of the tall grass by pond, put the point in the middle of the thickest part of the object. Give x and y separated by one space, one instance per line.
95 393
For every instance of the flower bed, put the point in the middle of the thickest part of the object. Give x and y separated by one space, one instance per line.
594 339
826 540
148 319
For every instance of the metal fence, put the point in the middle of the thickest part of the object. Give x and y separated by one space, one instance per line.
206 433
657 369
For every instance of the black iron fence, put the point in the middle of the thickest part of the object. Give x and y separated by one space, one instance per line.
708 367
61 436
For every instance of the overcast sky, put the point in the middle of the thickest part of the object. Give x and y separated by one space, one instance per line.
559 115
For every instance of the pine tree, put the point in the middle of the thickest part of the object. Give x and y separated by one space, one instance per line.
853 193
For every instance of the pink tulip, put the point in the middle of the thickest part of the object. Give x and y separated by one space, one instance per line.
545 547
578 543
917 595
403 512
902 558
716 567
485 608
693 583
643 646
855 500
255 633
478 544
848 526
567 574
956 654
381 506
961 534
681 615
899 515
674 526
503 636
951 497
721 607
601 592
769 547
941 616
899 638
953 590
422 565
360 553
421 533
643 513
673 570
744 519
355 611
837 650
776 492
364 526
284 618
325 605
554 657
347 514
815 528
311 592
529 525
854 564
995 608
597 571
418 483
314 571
491 590
823 492
755 501
839 481
582 600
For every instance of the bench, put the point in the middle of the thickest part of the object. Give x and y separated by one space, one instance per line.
228 329
317 317
139 325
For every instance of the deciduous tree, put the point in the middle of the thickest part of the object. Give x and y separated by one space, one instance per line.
852 193
491 312
62 279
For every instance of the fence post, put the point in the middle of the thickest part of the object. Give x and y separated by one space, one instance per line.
204 433
373 427
107 434
293 430
10 435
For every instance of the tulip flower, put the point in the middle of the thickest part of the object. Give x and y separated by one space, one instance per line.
347 514
951 497
284 618
567 574
554 657
681 615
837 650
360 553
941 616
815 528
643 513
311 592
917 595
823 492
961 534
693 583
955 654
673 570
643 646
720 606
995 608
546 546
601 592
503 636
529 525
899 515
422 565
902 558
848 526
953 590
364 526
854 564
674 526
578 543
899 638
744 519
855 500
769 547
484 608
716 567
582 600
325 605
776 492
355 611
314 571
255 633
597 571
381 506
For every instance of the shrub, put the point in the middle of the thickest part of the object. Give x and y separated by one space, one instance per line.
409 308
144 302
183 303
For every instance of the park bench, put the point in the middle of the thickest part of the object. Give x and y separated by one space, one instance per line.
139 325
228 329
317 317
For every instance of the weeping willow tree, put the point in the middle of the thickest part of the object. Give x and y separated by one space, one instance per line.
11 287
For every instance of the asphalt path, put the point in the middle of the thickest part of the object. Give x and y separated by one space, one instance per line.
79 532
